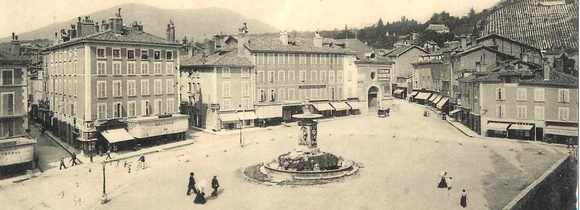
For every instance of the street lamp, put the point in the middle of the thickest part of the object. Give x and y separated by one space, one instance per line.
241 126
104 196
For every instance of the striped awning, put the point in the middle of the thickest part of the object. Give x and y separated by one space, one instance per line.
117 135
498 126
398 91
442 102
355 105
422 96
433 97
521 127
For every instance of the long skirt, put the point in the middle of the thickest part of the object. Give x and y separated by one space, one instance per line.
442 183
463 201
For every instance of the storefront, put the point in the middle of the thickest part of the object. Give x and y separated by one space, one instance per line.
561 134
521 131
17 150
422 97
272 114
443 104
118 139
400 92
247 118
356 107
413 95
323 108
497 129
341 108
229 120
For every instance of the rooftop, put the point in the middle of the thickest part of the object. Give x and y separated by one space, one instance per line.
128 35
401 50
263 43
437 27
220 58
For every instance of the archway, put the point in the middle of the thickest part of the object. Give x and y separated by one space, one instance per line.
372 97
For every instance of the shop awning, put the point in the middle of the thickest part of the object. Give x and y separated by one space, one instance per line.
322 106
398 91
265 112
422 96
355 105
497 126
433 97
454 111
442 102
561 130
116 135
521 127
414 93
229 117
247 115
340 106
436 98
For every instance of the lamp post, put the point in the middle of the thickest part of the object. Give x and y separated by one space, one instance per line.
241 126
104 196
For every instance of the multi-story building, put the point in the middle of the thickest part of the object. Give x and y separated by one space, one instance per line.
374 85
16 147
112 85
432 75
218 90
290 71
511 47
523 105
403 58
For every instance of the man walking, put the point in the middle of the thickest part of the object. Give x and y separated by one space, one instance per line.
73 159
191 184
108 155
570 143
215 185
61 163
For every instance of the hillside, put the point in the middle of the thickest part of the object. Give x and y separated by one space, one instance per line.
539 23
196 23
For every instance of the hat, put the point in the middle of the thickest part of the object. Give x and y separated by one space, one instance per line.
191 174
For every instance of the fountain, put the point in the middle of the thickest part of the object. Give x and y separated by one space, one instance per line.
307 161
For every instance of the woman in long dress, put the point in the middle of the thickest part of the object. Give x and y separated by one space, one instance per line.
443 182
463 201
200 197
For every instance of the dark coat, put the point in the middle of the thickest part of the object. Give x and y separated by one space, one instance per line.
191 182
200 198
215 183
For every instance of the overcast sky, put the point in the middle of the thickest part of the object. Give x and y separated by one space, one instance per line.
26 15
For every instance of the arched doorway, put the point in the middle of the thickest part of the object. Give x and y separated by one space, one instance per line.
372 97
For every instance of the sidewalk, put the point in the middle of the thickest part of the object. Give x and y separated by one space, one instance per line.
464 129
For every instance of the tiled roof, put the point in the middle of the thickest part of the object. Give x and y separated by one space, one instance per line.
491 77
401 50
478 47
534 24
437 27
9 59
263 43
129 35
466 79
356 45
556 79
228 58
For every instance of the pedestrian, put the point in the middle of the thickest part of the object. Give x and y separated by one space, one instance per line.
449 183
443 182
61 163
73 159
200 197
463 201
191 184
215 185
108 155
388 111
91 156
570 142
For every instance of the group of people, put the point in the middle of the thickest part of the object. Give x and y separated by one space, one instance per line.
446 183
200 195
73 159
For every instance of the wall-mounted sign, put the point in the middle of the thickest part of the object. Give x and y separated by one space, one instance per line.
311 86
384 74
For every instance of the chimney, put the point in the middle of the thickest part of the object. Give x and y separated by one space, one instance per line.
72 32
284 37
547 70
170 31
97 27
104 25
116 23
473 40
243 39
210 47
136 26
463 42
15 45
85 27
317 40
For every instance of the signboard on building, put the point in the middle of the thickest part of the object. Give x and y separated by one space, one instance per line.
311 86
384 74
17 150
145 127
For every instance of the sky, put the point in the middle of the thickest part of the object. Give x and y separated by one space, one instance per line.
302 15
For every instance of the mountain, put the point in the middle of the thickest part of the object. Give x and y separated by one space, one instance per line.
196 23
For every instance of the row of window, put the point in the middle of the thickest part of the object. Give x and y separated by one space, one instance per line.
63 87
283 58
144 55
63 55
226 72
117 88
539 112
539 95
227 105
281 95
132 70
283 76
63 68
119 110
226 89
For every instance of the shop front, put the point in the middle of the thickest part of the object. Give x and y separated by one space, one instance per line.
341 108
521 131
561 133
422 97
229 120
323 108
158 129
400 92
356 107
272 114
17 150
497 129
118 139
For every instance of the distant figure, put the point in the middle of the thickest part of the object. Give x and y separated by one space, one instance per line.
91 156
62 163
570 142
200 197
215 185
463 201
425 113
443 182
191 184
449 183
73 159
388 111
108 155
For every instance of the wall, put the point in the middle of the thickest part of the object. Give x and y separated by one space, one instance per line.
403 63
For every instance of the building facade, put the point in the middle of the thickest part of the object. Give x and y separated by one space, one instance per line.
403 58
16 147
99 78
374 85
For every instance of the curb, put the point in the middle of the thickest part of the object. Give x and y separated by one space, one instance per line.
459 129
61 145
